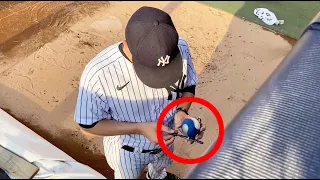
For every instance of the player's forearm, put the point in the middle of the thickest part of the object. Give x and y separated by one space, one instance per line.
112 128
186 105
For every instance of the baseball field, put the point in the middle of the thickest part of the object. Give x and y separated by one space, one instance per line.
296 14
44 47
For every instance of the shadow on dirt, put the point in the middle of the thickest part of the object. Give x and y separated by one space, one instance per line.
76 145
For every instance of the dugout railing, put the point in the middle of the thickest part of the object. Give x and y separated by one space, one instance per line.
277 133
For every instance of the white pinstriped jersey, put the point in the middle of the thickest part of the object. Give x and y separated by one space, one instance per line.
100 98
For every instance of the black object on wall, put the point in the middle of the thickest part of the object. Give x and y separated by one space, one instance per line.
3 175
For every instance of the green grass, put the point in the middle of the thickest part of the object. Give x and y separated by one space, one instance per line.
296 14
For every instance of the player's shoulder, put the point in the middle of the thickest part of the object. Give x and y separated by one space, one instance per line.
106 57
183 46
102 60
182 42
184 49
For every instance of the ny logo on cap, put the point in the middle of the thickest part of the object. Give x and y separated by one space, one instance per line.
163 61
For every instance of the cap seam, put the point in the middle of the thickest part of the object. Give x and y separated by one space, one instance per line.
176 45
161 38
144 39
170 27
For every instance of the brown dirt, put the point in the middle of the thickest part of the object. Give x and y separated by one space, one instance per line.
290 40
41 63
24 20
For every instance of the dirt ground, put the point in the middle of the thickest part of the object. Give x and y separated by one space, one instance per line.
44 47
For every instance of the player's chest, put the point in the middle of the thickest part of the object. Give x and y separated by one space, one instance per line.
124 84
131 88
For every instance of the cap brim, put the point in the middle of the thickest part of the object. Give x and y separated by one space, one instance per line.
160 77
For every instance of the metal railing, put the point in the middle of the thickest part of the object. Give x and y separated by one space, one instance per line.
277 133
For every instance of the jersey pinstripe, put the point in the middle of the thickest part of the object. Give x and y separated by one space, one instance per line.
110 89
128 165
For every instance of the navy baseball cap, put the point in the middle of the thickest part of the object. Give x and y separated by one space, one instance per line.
153 42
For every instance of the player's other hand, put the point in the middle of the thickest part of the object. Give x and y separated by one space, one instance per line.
179 117
202 129
149 130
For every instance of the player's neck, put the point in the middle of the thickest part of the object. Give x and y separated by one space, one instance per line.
126 50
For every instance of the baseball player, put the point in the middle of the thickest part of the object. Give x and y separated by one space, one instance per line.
123 90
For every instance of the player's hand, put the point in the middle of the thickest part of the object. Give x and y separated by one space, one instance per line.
202 129
179 117
149 130
200 135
